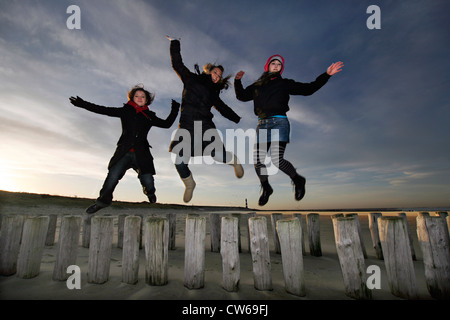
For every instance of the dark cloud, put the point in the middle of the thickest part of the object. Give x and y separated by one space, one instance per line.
381 123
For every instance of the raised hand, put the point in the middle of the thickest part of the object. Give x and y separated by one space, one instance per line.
77 102
335 68
175 104
171 38
239 75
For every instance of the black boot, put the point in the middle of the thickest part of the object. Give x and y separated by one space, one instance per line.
299 183
266 192
94 208
152 198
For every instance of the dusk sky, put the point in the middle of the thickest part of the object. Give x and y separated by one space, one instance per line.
376 135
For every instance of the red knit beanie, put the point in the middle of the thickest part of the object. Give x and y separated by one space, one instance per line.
274 57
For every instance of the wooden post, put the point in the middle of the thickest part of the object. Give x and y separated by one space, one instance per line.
10 236
299 216
194 260
448 224
413 252
130 249
360 234
434 241
86 230
32 246
249 215
214 227
274 217
120 230
156 251
141 227
67 250
230 253
397 257
259 245
100 249
289 232
351 257
238 216
51 231
373 226
172 230
315 247
443 215
423 213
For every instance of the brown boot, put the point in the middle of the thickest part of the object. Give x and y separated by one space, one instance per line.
190 185
238 169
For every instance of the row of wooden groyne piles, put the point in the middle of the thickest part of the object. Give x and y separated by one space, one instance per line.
23 238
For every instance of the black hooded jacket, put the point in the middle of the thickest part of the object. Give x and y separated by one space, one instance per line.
272 97
135 128
200 94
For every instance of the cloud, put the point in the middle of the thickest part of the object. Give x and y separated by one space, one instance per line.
313 119
381 123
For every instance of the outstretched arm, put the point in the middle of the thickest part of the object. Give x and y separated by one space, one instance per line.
307 89
167 123
112 112
226 111
176 59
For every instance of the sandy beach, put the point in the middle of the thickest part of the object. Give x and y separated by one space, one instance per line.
323 275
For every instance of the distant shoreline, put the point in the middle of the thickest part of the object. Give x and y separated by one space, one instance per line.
31 199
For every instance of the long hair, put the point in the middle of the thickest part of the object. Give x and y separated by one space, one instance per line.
149 97
224 82
266 77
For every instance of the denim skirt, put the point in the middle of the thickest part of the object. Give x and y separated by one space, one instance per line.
273 129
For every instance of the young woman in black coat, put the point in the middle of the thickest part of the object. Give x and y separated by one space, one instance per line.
133 149
200 93
270 95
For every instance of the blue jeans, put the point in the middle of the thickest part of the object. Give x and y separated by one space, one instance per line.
117 172
273 129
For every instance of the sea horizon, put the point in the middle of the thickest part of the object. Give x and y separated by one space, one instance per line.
242 208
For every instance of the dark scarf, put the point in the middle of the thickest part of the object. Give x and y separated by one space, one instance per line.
139 109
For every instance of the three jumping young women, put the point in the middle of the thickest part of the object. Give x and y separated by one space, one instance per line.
201 91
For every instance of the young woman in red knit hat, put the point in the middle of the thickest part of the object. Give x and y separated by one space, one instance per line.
270 95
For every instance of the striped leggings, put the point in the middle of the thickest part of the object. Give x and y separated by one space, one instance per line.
277 155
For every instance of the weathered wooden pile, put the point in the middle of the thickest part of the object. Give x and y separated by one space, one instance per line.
23 239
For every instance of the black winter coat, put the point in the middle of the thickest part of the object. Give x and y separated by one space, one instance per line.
135 128
272 98
200 94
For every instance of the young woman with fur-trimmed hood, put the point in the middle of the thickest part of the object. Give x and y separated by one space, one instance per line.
201 92
133 149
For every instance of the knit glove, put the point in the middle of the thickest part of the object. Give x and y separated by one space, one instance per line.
175 105
77 102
